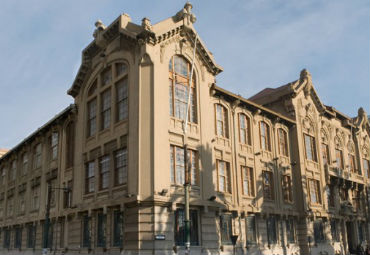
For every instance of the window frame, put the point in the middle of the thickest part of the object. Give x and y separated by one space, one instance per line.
287 188
325 154
339 158
92 105
105 109
315 185
175 169
226 176
283 142
90 177
224 121
270 186
272 234
247 174
311 147
265 136
246 130
194 228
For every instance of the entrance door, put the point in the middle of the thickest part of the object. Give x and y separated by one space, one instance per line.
350 237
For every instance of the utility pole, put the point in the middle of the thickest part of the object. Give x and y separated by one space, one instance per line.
186 163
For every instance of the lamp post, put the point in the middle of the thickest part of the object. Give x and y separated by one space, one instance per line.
186 168
47 216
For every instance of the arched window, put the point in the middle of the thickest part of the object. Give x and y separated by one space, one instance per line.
244 129
283 142
222 125
107 98
179 82
265 136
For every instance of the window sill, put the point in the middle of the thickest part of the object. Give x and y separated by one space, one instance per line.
120 122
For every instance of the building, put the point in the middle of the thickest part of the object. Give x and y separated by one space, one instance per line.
281 170
2 152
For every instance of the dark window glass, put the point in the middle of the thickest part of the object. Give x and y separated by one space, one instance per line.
271 230
325 154
117 228
180 227
6 243
226 228
310 145
17 237
251 229
31 236
318 231
102 218
290 230
86 232
334 231
268 185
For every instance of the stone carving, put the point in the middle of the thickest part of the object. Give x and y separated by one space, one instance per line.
308 125
186 14
98 34
361 120
351 146
145 23
305 81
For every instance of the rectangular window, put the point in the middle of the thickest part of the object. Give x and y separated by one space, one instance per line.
13 171
361 232
54 145
101 235
104 172
106 76
251 229
226 229
90 177
122 100
310 146
318 231
289 223
339 159
334 230
120 169
37 156
177 165
180 227
283 142
91 118
265 136
67 194
314 188
10 206
31 236
248 181
221 121
6 243
287 188
352 163
271 230
17 237
86 231
224 179
24 163
70 133
268 185
117 228
244 127
105 109
331 195
325 154
35 202
366 163
21 203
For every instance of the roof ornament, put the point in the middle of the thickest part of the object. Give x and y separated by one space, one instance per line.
361 119
98 34
305 81
186 14
146 24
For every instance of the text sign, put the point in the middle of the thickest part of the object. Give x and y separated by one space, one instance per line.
160 237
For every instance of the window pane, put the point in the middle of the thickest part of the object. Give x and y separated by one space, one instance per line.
271 230
122 100
251 229
180 227
226 229
104 172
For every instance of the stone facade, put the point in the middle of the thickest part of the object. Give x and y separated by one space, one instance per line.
281 170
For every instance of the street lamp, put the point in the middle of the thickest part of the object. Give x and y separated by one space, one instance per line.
47 216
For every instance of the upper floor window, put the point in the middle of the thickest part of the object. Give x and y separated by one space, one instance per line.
37 156
310 146
268 185
70 132
113 100
339 158
104 172
283 142
179 84
120 168
224 177
24 163
244 129
248 181
13 171
177 167
352 163
221 121
287 188
90 177
54 145
105 109
265 136
314 189
91 118
325 154
366 163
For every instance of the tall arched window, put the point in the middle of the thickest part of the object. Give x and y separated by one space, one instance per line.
283 142
179 82
265 136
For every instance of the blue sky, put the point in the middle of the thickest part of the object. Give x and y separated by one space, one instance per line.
259 43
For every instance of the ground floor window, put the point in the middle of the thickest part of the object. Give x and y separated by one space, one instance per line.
117 228
17 237
289 223
318 231
334 230
226 229
31 236
361 234
86 241
180 227
271 230
251 229
102 219
6 243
